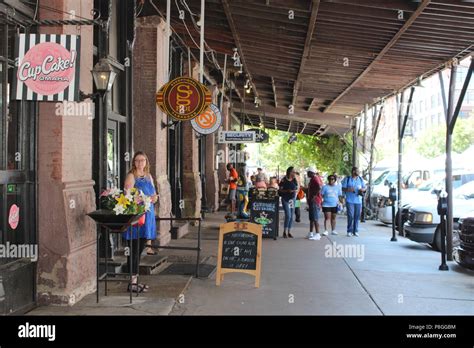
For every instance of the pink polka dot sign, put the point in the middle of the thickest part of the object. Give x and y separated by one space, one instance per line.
14 216
47 68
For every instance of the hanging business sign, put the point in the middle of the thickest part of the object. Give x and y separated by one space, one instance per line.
260 135
233 137
209 121
47 67
183 98
14 216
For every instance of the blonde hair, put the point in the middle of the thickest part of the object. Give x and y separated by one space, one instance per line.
134 168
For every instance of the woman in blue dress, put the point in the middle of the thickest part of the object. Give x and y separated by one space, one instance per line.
140 178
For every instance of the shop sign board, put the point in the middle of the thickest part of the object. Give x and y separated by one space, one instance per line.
265 212
47 67
234 137
14 216
209 121
239 250
260 135
183 98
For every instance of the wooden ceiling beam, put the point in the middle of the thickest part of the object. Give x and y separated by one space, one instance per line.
380 4
281 113
236 37
296 5
307 48
274 92
389 45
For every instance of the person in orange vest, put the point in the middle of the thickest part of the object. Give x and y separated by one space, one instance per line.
232 181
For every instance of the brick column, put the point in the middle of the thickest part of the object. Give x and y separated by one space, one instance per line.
192 190
67 237
149 136
223 149
212 179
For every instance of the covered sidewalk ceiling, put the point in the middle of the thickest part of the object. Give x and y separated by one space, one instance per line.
330 59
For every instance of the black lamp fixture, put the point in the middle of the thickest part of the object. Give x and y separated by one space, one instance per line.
292 139
104 77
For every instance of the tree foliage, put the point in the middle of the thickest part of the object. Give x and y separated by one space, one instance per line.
432 142
327 153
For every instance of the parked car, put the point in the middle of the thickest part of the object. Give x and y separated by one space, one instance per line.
426 191
464 253
379 186
423 219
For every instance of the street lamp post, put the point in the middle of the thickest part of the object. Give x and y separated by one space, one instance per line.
104 77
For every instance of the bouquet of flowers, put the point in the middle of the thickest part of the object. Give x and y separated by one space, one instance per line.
132 203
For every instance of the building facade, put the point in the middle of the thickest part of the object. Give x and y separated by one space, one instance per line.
56 157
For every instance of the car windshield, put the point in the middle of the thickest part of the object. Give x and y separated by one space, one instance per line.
432 184
381 178
465 191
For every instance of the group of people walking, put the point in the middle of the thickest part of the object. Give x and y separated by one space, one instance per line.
324 199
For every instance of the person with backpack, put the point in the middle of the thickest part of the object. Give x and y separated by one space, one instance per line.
354 188
288 190
314 200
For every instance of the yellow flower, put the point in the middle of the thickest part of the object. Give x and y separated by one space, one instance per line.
122 200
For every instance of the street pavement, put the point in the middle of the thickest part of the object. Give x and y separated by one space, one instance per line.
374 277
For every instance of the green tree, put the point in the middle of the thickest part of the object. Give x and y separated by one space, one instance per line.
432 142
327 153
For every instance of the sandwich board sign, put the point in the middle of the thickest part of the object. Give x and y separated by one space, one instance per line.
240 250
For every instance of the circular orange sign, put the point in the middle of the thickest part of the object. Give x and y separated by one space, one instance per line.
209 121
183 98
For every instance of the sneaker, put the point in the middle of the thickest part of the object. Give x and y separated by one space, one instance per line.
349 234
356 234
334 233
325 233
310 235
316 236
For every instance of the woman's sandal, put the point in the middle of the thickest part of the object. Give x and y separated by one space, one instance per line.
148 252
138 288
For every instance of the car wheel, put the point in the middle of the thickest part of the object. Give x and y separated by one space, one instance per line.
436 244
396 220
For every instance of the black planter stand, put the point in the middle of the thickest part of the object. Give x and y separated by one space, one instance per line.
112 223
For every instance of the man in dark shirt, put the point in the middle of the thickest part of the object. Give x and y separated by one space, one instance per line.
314 203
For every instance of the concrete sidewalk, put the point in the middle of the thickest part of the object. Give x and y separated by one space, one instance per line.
300 277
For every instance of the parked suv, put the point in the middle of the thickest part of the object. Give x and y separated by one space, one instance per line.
459 178
464 254
426 191
423 219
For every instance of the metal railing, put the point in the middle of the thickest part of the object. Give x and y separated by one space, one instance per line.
197 248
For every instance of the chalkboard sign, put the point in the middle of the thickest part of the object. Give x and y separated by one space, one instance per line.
239 250
240 245
265 212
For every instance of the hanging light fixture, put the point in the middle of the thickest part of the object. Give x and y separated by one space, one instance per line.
104 76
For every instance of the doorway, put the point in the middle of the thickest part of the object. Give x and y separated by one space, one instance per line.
18 242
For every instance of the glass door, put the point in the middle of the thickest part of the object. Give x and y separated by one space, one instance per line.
18 242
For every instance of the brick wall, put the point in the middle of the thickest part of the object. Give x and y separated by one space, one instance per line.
67 264
149 136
